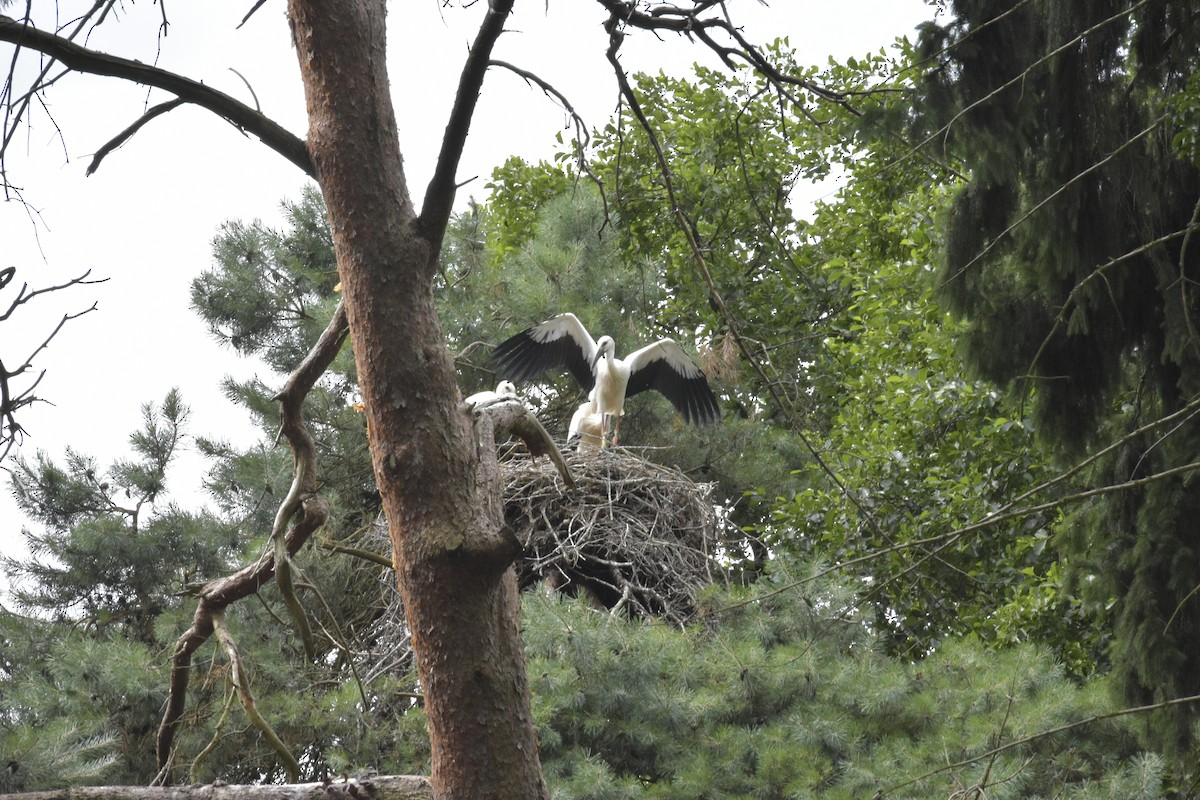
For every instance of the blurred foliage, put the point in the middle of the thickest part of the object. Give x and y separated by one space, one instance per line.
1069 263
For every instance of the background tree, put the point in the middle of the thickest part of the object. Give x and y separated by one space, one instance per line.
17 394
434 466
1068 254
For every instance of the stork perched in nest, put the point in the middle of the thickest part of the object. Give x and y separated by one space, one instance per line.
562 341
505 390
586 429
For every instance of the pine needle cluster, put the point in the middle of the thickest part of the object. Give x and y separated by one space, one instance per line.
786 693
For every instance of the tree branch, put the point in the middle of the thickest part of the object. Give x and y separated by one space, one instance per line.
302 507
128 133
581 133
384 787
10 402
81 59
241 682
511 418
439 195
691 22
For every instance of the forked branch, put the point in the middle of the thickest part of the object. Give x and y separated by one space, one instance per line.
300 514
12 399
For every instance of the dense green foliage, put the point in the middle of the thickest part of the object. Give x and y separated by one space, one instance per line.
786 694
1068 257
852 436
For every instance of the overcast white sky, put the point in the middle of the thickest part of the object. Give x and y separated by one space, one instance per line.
146 219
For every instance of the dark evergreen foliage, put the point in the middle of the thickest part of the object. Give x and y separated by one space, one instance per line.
1068 253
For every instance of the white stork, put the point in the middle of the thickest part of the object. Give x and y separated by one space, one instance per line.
562 341
505 390
587 427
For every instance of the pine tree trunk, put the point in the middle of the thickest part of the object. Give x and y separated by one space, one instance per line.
435 468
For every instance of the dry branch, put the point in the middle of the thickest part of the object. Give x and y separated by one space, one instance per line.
12 400
81 59
241 682
302 508
512 418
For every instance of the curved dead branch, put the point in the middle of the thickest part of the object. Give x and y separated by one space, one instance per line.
241 682
510 417
582 137
302 509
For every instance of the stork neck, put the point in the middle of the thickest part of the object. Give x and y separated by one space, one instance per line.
607 360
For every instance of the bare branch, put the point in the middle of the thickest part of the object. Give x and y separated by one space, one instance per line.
582 137
128 133
302 508
241 682
510 417
10 402
690 21
439 195
82 59
250 13
24 296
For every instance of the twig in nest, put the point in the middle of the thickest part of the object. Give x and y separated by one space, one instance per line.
633 535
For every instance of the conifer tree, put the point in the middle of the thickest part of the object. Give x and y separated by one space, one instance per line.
787 694
1069 253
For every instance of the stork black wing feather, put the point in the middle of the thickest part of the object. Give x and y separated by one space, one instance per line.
693 398
522 358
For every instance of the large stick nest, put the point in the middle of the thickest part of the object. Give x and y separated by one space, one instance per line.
632 536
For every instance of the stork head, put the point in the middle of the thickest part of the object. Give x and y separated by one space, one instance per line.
506 389
605 346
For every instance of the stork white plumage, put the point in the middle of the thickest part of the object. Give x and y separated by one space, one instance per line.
586 430
505 390
562 341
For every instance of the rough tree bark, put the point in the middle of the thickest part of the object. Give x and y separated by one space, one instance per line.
442 499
